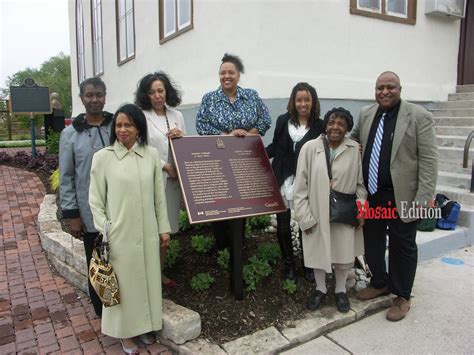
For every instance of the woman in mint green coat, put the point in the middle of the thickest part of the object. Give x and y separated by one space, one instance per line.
126 191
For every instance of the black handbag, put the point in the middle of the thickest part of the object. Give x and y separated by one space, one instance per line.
342 206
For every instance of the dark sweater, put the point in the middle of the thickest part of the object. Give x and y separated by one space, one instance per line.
281 148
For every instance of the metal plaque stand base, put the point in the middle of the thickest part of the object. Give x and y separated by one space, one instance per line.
236 227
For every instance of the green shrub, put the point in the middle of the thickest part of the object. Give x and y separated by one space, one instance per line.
52 143
259 222
289 286
202 282
173 252
202 243
223 258
255 271
270 252
183 221
21 143
54 180
247 231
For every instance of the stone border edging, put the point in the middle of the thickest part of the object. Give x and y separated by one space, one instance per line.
66 253
272 341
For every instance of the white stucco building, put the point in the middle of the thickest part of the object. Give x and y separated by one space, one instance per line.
338 46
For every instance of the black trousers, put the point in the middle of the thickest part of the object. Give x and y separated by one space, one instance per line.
284 235
89 239
403 251
221 231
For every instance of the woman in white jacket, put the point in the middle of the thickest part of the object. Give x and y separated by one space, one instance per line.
156 95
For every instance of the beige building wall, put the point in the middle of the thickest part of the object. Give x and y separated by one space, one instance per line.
281 42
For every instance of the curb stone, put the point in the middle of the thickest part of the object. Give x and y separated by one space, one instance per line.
263 341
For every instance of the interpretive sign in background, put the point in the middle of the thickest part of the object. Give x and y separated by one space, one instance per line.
225 177
29 98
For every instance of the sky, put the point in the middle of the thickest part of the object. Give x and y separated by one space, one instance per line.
31 32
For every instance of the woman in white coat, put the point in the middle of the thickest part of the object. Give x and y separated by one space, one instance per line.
156 95
325 244
126 192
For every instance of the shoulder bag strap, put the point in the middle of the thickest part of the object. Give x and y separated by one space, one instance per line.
326 151
105 241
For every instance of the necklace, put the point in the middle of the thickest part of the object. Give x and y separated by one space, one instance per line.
167 122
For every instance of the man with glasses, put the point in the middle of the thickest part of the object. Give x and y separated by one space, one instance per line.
88 133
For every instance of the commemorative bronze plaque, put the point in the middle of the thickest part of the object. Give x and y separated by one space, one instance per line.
225 177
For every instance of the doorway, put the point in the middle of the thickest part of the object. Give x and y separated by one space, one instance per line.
466 48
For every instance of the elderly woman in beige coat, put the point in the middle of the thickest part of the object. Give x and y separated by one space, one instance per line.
126 192
325 244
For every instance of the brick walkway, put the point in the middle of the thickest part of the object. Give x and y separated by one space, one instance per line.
39 311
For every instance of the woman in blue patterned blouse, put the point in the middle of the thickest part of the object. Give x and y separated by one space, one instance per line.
231 110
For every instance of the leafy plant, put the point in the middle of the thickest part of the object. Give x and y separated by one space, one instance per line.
173 253
54 180
183 221
247 231
289 286
270 252
184 224
5 157
52 143
223 258
202 282
202 243
255 271
43 162
259 222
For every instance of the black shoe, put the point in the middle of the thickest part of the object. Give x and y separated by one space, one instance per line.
342 302
315 300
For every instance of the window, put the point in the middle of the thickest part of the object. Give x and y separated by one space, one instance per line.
403 11
125 30
97 47
81 63
176 17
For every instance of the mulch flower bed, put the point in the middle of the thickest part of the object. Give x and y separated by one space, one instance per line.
222 317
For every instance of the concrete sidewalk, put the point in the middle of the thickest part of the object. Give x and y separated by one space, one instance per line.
440 321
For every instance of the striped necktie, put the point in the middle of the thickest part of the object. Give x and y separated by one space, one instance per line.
374 157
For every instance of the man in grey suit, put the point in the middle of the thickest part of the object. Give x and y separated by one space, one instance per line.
400 169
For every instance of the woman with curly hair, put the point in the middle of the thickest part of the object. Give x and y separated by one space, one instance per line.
157 96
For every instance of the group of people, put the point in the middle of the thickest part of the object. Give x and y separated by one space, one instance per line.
117 169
